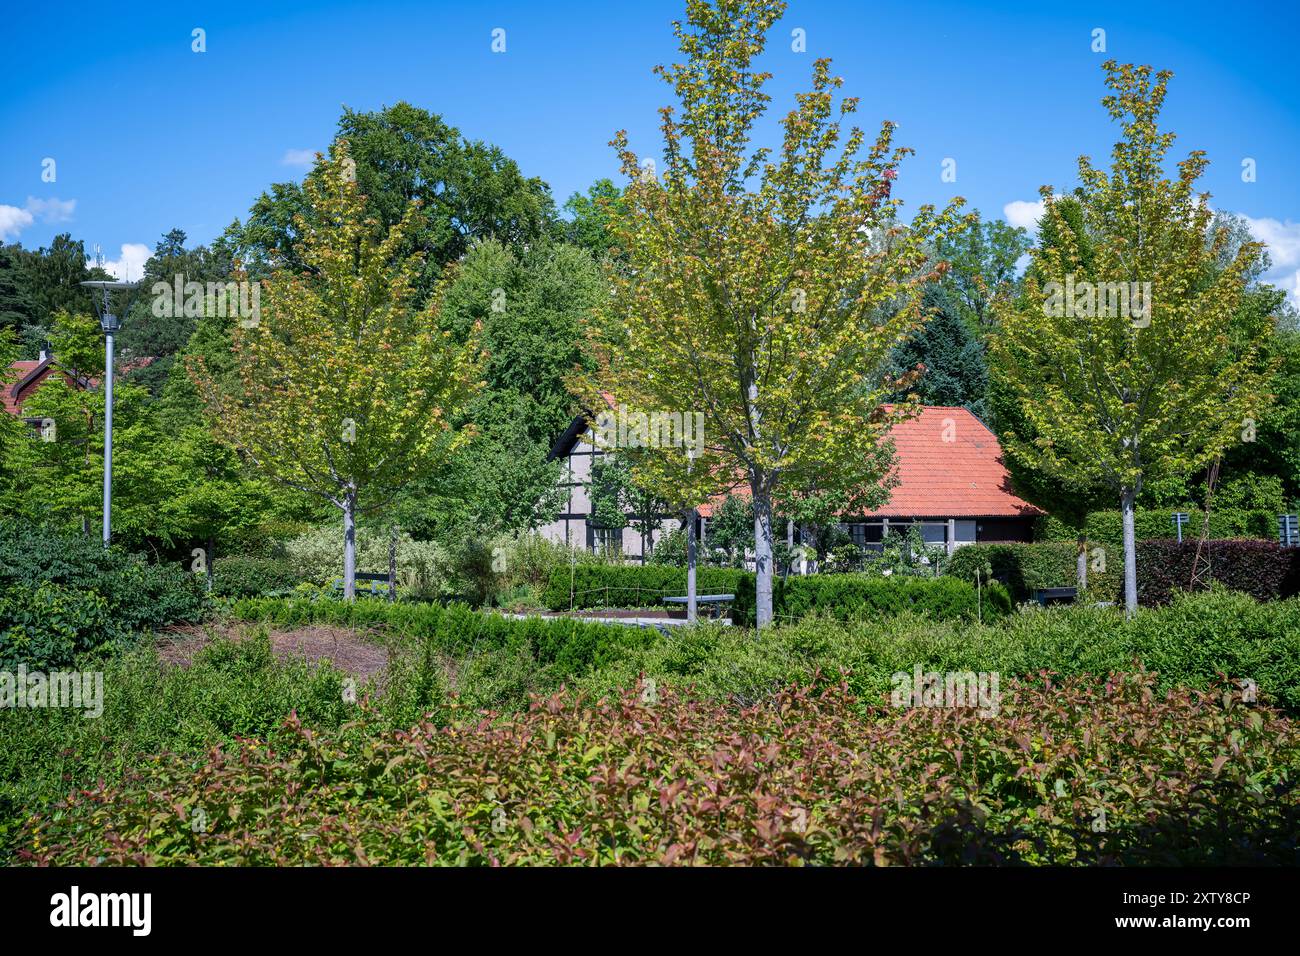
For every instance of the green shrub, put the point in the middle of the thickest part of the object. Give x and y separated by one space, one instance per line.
239 576
810 777
229 690
562 647
850 596
137 596
625 585
1106 527
1023 568
47 627
1190 643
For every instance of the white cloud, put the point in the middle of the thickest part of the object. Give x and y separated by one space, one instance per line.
1283 241
299 157
130 265
13 221
1024 214
51 210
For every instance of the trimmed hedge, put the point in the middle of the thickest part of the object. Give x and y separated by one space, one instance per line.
1263 569
564 646
247 576
1023 568
850 596
1106 527
603 585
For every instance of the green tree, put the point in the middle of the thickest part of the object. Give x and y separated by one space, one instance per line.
1124 372
956 372
591 216
982 265
752 287
347 390
468 191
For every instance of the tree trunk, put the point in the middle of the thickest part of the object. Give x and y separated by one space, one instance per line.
1127 499
1081 562
762 557
350 546
692 609
212 558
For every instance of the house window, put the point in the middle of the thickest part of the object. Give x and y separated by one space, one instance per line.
607 540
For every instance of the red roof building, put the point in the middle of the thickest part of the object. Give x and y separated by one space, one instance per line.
30 374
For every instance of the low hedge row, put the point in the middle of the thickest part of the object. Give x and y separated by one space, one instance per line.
1026 568
563 646
599 585
845 596
1106 527
1262 569
1191 642
848 597
1085 772
242 576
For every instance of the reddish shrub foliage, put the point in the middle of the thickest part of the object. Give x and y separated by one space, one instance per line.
1263 569
1084 772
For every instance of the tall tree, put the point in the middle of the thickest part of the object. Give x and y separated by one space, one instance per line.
982 264
956 372
591 216
753 280
1124 371
347 390
468 191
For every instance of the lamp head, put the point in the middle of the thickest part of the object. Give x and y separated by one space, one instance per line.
103 294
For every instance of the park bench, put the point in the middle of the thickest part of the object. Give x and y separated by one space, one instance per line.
712 602
372 580
1046 596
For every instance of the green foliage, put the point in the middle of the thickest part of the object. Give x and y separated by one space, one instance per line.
595 585
50 625
850 597
1105 527
956 373
80 574
1183 779
240 576
229 690
1022 568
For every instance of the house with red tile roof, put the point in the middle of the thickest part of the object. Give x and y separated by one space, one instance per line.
953 484
28 375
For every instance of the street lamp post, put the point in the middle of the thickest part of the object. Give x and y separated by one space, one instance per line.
109 322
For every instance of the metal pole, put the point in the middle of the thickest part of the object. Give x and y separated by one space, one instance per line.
108 437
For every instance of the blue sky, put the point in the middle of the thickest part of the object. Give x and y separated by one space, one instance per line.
148 135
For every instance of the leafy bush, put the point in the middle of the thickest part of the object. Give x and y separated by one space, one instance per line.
137 596
561 647
1088 772
623 585
1106 527
47 627
1191 642
850 596
1263 569
241 576
317 556
230 689
1023 568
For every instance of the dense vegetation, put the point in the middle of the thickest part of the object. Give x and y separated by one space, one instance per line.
1084 772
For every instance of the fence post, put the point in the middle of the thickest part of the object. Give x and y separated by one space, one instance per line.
392 563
